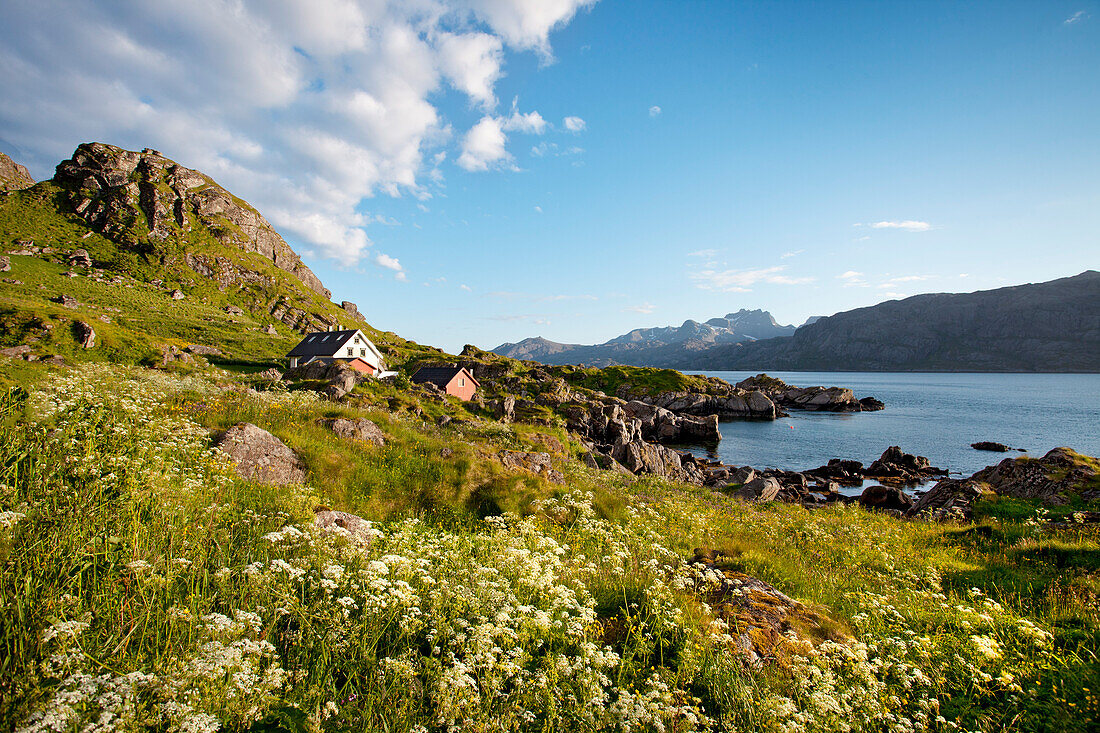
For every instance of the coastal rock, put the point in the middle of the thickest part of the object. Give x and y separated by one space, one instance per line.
1055 479
820 399
260 456
359 428
894 465
743 475
885 497
665 426
759 490
993 447
738 404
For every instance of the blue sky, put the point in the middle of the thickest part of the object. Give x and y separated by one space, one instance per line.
479 171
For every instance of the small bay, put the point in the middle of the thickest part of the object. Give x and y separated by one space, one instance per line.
937 415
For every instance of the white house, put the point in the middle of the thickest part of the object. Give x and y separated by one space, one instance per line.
350 346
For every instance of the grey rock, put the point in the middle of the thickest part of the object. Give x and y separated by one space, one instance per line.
177 295
358 428
201 350
759 490
260 456
5 263
234 310
354 528
270 330
67 301
537 463
743 475
80 258
885 497
16 352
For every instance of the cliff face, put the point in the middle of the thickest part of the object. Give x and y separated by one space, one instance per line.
132 197
1045 327
13 177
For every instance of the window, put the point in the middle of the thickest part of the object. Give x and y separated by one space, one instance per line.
356 339
461 382
351 351
362 352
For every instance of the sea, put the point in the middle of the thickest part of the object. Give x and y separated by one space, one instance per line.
930 414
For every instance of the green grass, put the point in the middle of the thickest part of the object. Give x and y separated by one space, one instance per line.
991 625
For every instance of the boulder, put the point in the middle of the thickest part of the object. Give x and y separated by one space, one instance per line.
260 456
898 466
234 310
758 490
743 475
16 352
870 404
358 428
5 263
504 409
177 295
885 497
67 301
537 463
171 354
84 334
80 258
270 330
356 529
949 499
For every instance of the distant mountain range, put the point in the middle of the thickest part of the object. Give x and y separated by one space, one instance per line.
654 346
1044 327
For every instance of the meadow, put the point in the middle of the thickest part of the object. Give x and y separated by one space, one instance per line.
145 586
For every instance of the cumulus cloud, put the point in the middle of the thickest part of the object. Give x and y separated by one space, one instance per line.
654 111
574 124
741 281
303 109
908 225
391 263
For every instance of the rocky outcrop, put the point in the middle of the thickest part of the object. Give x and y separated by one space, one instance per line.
13 176
661 425
752 404
1055 479
67 301
360 429
821 399
897 467
758 490
5 263
260 456
133 197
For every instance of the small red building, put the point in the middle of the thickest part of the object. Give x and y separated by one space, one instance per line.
455 380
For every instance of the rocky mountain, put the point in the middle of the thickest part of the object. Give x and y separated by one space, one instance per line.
653 346
1044 327
13 176
149 256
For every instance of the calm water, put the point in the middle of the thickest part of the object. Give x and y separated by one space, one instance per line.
933 415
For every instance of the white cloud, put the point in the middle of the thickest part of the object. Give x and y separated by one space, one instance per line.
908 225
467 288
484 146
654 111
574 124
703 253
391 263
850 275
644 308
531 123
303 109
1076 17
788 255
526 24
740 281
538 208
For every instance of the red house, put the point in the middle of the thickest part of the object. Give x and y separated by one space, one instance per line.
456 381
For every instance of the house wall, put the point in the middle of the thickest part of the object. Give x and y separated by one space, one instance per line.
461 386
360 365
359 351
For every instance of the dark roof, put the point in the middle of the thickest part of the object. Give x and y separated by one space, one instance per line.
322 343
439 376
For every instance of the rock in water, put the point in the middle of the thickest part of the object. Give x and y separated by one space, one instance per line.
991 446
260 456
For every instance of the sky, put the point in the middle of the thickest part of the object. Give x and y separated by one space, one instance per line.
482 171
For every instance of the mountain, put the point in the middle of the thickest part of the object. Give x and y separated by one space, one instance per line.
653 346
152 256
1046 327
